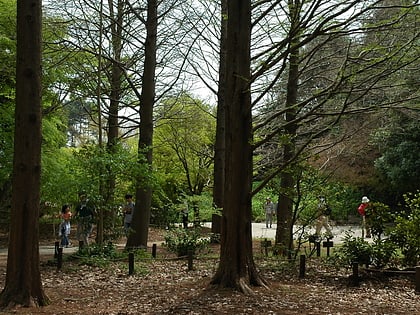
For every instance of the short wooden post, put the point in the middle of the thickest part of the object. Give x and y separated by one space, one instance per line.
130 263
418 279
355 275
190 260
81 244
60 258
302 266
328 244
318 249
154 246
56 247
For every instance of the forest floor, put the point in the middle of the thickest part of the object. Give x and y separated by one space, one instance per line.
165 285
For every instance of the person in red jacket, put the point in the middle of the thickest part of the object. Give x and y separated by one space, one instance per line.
362 211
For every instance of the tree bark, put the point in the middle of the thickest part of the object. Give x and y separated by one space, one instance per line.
284 233
23 278
237 268
219 147
141 216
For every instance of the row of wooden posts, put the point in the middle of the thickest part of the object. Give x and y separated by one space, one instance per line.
58 254
355 278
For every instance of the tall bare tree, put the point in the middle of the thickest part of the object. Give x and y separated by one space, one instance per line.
23 278
219 147
287 179
141 217
237 268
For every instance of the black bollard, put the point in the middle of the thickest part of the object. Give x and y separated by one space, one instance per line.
56 247
59 258
418 279
130 263
318 249
302 266
355 275
81 244
328 244
190 259
154 250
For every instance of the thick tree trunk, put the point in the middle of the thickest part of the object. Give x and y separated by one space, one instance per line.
141 216
284 233
23 278
114 104
219 147
236 268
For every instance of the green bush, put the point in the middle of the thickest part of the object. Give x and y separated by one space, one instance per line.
378 216
382 252
406 233
354 249
98 255
181 241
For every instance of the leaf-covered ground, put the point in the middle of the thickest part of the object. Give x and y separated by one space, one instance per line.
165 286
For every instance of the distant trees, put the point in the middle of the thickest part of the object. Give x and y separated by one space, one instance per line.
184 141
399 163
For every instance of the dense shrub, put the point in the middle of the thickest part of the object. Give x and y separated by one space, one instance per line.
378 216
181 241
98 255
382 252
403 235
406 233
354 249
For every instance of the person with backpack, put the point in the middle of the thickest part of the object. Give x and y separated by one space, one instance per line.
128 211
65 227
322 220
84 214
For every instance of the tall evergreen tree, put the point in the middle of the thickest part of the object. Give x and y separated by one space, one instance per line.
23 278
237 268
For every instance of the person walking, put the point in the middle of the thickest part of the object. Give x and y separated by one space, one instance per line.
269 212
322 221
128 211
84 214
363 210
65 227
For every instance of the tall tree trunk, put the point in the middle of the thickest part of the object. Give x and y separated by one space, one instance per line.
237 268
23 278
141 216
219 150
114 103
284 233
100 223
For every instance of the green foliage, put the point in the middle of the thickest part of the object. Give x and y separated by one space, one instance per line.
184 140
406 233
7 87
204 205
181 241
165 216
99 256
400 159
378 216
405 236
258 212
354 249
167 212
382 252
